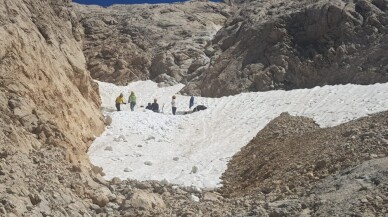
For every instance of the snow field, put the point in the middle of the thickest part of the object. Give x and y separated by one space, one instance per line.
156 146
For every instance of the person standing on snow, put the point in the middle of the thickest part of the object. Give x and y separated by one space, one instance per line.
119 101
132 100
191 103
155 106
173 105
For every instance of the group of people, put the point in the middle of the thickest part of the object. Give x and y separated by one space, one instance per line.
153 107
173 104
131 101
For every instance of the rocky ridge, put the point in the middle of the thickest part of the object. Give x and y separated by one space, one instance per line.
49 115
292 160
49 108
262 45
271 45
162 42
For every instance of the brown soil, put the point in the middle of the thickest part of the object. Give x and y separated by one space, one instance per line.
291 153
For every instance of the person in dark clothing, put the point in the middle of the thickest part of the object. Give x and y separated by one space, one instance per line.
149 106
196 109
191 103
155 106
199 108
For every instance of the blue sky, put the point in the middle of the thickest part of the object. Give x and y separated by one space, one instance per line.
110 2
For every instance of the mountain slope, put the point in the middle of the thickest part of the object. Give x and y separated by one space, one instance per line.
294 151
162 42
262 45
312 170
297 44
49 107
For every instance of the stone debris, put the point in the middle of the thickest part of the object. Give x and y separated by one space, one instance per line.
164 182
108 148
108 120
181 30
194 169
194 198
148 163
127 170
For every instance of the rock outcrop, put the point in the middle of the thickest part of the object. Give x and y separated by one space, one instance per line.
262 45
49 109
296 44
163 42
325 169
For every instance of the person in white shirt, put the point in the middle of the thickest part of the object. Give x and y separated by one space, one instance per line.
173 104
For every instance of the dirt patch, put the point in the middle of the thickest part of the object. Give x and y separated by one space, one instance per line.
292 153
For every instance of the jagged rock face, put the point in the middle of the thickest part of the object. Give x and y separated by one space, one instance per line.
43 76
235 2
330 165
297 44
48 106
163 42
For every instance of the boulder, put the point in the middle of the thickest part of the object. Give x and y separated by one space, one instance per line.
194 198
101 196
108 120
144 200
100 199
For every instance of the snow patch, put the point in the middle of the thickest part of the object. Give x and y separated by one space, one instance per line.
208 139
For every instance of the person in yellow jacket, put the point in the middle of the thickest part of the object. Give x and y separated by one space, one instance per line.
119 101
132 100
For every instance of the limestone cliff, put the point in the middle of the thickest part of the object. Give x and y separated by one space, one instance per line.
49 104
297 44
262 45
163 42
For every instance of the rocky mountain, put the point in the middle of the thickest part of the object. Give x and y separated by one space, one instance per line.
49 105
49 108
326 170
222 49
163 42
296 44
